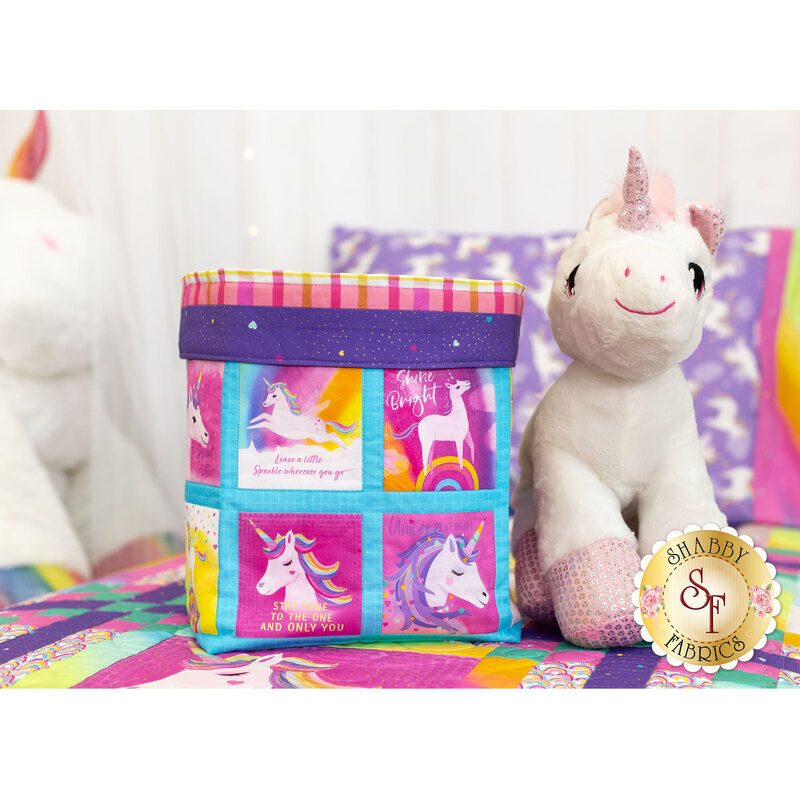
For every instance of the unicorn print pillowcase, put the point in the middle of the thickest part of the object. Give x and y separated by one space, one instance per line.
347 458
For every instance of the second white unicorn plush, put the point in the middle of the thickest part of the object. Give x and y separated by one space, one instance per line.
611 460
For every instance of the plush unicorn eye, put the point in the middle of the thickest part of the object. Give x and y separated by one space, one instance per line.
698 278
194 419
288 563
457 574
571 281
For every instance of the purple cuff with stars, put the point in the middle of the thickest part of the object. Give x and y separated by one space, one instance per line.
349 337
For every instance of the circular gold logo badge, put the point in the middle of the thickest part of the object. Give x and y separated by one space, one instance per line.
706 598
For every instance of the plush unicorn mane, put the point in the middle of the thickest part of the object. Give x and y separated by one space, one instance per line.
408 582
319 575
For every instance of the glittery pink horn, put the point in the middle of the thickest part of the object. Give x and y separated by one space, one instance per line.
635 214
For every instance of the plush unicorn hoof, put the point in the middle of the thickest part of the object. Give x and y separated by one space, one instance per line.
591 590
533 595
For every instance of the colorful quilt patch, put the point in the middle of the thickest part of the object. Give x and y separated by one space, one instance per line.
299 575
202 572
203 421
439 573
299 427
440 430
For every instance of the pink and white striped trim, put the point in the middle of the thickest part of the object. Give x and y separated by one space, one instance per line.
334 290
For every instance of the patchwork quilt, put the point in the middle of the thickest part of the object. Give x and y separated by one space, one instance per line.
130 629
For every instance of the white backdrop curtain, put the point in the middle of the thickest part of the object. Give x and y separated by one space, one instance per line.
185 191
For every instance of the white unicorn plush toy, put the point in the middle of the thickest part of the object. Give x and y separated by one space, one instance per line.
611 460
56 505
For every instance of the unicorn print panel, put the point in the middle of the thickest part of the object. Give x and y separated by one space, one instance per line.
299 428
439 430
439 571
202 566
299 575
203 415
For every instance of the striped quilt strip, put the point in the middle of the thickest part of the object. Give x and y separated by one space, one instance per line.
378 292
20 583
776 458
131 629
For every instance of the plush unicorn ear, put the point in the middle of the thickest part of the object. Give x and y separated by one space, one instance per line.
451 544
290 537
709 221
31 153
607 206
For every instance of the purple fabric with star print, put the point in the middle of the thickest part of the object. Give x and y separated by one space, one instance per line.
723 373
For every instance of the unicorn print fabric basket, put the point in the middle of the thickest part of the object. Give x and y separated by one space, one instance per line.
347 457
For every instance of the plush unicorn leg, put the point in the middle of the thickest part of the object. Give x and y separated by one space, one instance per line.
533 594
679 492
587 553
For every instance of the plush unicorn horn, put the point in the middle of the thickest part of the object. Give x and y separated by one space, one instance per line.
31 153
470 548
635 214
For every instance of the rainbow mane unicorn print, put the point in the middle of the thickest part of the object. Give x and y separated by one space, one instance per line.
291 422
240 671
292 566
452 426
435 568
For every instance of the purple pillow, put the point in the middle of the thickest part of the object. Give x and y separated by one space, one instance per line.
723 372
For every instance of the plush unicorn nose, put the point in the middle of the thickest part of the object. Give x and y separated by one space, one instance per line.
662 278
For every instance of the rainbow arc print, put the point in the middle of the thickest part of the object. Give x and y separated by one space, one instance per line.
440 430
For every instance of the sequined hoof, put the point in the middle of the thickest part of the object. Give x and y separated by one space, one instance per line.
591 590
533 595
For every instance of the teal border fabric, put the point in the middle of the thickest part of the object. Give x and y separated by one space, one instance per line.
371 503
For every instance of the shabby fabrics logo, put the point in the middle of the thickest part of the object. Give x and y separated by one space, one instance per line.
706 598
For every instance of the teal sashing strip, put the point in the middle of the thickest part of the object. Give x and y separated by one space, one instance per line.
371 503
228 581
202 495
372 518
502 390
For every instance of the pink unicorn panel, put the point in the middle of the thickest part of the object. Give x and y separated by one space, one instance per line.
439 574
440 430
203 421
299 427
299 575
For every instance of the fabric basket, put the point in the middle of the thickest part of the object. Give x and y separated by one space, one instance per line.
347 457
